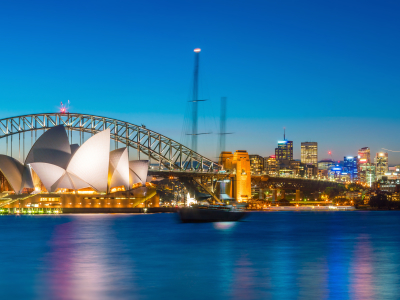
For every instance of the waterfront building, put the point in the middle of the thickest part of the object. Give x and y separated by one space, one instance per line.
388 185
350 167
58 175
381 163
256 164
270 165
309 153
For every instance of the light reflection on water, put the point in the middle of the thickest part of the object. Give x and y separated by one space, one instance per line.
271 255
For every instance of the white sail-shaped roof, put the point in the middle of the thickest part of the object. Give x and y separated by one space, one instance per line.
27 181
90 161
52 147
140 168
118 173
14 171
70 181
48 174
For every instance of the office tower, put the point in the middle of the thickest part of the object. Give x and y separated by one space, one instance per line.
270 165
364 155
381 163
284 150
309 153
350 166
364 158
367 173
256 164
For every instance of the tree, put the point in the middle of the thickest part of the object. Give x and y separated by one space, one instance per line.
379 201
333 192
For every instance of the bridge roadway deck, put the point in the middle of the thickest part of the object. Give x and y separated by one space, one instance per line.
188 174
288 183
262 181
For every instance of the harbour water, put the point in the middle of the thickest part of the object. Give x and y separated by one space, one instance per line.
270 255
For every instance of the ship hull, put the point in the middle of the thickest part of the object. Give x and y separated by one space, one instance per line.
195 215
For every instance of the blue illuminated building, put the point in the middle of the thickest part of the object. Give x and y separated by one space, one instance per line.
335 170
284 152
350 165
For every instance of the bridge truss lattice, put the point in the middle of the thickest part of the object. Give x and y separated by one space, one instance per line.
160 150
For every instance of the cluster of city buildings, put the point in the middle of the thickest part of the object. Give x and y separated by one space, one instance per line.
358 168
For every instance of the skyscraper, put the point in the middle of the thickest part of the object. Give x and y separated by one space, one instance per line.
367 173
364 163
364 155
284 150
381 163
309 153
256 164
350 166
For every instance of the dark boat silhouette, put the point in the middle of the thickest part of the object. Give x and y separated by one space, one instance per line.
210 213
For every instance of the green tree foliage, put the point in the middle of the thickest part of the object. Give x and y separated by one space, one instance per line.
354 187
379 201
333 192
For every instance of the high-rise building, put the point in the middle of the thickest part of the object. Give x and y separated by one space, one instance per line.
381 163
364 155
270 165
284 150
367 173
256 164
309 153
364 158
350 166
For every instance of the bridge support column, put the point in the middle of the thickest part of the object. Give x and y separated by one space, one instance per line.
155 201
283 194
260 194
274 195
298 193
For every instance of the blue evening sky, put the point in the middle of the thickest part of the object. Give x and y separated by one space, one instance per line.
328 71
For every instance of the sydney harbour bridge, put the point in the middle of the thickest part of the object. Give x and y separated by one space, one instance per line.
166 156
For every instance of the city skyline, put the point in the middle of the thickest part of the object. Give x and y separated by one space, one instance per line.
330 65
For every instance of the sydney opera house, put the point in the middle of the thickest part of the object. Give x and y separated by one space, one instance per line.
59 176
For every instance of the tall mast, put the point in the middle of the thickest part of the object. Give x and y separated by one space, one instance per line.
195 98
222 129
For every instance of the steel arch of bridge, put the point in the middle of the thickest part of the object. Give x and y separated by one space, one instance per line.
168 153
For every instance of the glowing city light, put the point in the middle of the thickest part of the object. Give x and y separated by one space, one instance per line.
197 50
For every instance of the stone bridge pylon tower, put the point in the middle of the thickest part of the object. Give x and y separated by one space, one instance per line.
238 164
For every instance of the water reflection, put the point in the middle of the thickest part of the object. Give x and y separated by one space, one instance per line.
362 281
224 225
85 262
285 255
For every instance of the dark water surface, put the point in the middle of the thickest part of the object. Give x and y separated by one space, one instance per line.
271 255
